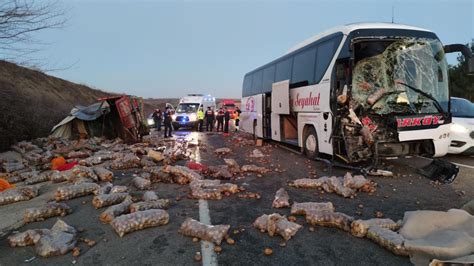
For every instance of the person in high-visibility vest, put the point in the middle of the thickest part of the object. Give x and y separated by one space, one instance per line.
237 117
200 117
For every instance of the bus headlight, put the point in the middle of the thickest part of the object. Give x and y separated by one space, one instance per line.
173 117
192 117
458 128
150 121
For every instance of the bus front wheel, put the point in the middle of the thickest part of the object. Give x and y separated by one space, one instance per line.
310 144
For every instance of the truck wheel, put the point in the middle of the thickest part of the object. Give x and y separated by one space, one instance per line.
310 144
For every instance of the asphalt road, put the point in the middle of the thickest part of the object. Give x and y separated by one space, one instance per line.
163 245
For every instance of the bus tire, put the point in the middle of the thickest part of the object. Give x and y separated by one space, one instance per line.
310 143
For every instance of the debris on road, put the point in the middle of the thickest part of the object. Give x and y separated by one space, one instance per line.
149 195
181 174
104 200
115 210
359 228
75 191
141 183
211 233
254 169
282 199
197 256
222 151
304 208
256 153
330 219
39 178
139 220
151 204
118 189
380 172
234 167
276 224
249 195
155 155
211 189
51 209
4 185
268 251
58 240
128 161
105 188
388 239
18 194
219 171
345 187
103 174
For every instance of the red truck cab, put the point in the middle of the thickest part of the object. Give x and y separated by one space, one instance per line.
230 105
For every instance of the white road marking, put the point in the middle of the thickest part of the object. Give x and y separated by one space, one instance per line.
209 257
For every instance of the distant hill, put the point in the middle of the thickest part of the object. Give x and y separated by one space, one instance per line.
31 102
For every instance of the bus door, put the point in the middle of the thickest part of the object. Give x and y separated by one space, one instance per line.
267 112
280 106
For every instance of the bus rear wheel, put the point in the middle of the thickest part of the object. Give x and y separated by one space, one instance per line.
310 144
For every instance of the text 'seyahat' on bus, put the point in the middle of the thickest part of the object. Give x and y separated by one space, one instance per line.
357 93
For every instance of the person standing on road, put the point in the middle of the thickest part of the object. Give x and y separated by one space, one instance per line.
237 117
209 119
200 117
167 121
226 120
220 120
157 118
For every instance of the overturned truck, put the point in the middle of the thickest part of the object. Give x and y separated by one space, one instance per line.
357 93
111 117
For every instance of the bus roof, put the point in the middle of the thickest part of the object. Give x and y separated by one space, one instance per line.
346 29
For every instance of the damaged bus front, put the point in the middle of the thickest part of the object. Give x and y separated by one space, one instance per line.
396 101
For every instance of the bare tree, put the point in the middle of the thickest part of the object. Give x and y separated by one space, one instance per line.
19 20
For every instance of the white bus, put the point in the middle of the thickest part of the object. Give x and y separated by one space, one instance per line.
356 92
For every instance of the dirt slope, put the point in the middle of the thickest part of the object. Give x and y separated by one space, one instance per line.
31 102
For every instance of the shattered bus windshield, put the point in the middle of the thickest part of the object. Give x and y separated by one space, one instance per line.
400 76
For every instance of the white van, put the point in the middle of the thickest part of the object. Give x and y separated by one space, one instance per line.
186 111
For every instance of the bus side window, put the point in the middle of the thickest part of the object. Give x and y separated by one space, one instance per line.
247 86
257 82
283 70
303 67
268 78
323 59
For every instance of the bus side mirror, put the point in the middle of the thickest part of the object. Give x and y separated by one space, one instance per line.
466 52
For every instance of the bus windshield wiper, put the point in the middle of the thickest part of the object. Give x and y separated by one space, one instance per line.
427 95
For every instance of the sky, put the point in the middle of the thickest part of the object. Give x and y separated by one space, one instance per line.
162 49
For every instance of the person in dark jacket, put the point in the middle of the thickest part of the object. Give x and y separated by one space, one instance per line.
167 121
220 120
158 118
209 116
226 120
